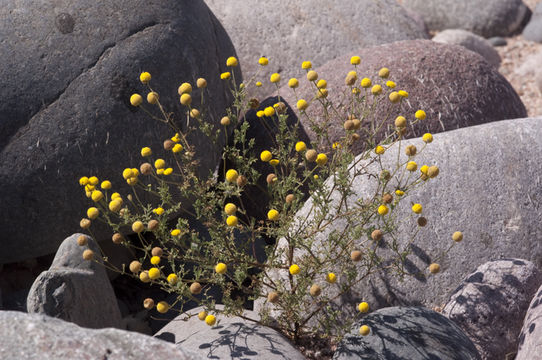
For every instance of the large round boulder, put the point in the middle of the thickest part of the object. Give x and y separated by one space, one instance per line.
289 32
486 18
65 110
455 87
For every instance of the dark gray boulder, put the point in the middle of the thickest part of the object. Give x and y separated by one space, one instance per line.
456 88
65 110
490 304
289 32
40 337
232 338
74 289
407 333
530 337
533 30
486 18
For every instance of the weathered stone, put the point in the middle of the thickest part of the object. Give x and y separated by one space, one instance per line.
455 87
291 32
65 109
33 336
497 41
472 42
407 333
486 18
533 30
530 338
76 290
490 304
232 337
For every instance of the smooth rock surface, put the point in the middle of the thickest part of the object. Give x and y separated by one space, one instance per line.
497 41
407 333
289 32
65 110
470 41
490 304
486 18
40 337
74 289
533 30
454 86
231 338
530 338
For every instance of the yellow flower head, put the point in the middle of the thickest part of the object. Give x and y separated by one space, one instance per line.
230 209
185 88
155 260
376 90
403 93
302 104
201 83
158 211
300 146
295 269
146 151
417 208
427 138
93 213
260 114
263 61
274 162
412 166
269 111
355 60
83 181
420 114
136 100
177 148
210 320
383 210
312 75
175 232
221 268
366 83
457 236
225 75
399 192
380 150
114 205
172 279
154 273
225 121
390 84
145 77
231 220
93 180
363 307
400 122
162 307
258 84
231 61
275 78
202 315
321 159
321 84
97 195
424 169
186 99
293 83
306 65
273 215
106 185
331 278
394 97
364 330
138 226
384 72
160 164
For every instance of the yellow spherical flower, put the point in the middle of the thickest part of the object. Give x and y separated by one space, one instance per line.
266 155
232 61
177 148
144 276
390 84
201 83
202 315
420 114
302 104
269 111
356 91
97 195
383 210
172 279
83 181
321 84
116 196
106 185
321 159
331 278
295 269
363 307
114 205
145 77
162 307
231 220
260 114
400 121
231 175
424 169
273 215
230 209
210 320
225 121
85 223
93 213
427 138
434 268
185 88
457 236
154 273
399 192
175 232
366 83
274 162
403 93
158 211
146 151
384 72
176 138
160 164
258 84
275 78
195 113
293 83
376 90
93 180
186 99
417 208
394 97
355 60
411 166
138 227
225 75
364 330
300 146
306 65
263 61
380 150
312 75
221 268
136 100
155 260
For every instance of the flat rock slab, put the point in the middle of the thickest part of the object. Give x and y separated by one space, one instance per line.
289 32
74 289
490 304
486 18
231 338
40 337
407 333
530 337
533 30
454 86
65 113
